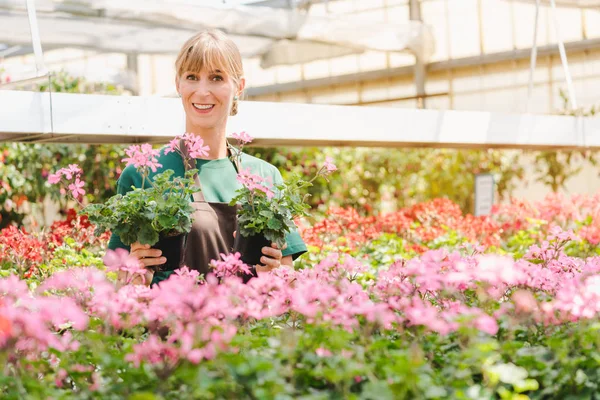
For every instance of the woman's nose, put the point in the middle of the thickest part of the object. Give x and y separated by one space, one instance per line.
203 88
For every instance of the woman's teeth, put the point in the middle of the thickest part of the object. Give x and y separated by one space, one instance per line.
203 106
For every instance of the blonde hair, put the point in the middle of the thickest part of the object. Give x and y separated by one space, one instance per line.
211 50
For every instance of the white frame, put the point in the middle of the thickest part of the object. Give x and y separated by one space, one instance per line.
81 118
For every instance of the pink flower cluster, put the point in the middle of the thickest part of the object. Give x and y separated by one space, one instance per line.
439 292
231 265
242 137
142 156
254 182
72 171
35 319
329 165
194 143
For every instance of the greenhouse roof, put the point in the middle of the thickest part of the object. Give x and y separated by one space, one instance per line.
569 3
279 36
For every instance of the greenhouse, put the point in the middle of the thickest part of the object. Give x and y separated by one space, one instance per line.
315 199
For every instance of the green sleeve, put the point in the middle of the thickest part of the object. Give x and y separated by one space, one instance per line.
295 245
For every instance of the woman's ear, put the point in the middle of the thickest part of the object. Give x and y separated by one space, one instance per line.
241 86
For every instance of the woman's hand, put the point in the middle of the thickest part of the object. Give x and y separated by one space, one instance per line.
148 257
273 258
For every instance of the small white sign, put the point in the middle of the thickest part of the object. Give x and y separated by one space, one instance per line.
484 194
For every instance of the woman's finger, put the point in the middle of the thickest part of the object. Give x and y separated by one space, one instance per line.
270 263
138 246
276 246
153 261
273 253
146 253
260 269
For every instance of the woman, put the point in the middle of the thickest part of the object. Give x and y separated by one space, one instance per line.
209 79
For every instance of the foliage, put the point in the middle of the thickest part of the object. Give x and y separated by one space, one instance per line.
23 188
380 180
555 168
270 211
143 214
372 315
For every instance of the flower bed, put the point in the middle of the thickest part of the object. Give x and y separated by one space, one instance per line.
423 303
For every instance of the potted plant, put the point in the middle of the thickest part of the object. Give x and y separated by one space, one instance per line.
266 211
159 215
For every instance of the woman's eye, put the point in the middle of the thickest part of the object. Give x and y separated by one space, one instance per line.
191 77
217 78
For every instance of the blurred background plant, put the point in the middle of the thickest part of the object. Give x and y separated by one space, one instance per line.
372 180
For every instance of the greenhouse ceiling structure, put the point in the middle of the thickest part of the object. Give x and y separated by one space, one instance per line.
278 35
278 32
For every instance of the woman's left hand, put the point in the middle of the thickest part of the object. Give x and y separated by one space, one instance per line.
272 258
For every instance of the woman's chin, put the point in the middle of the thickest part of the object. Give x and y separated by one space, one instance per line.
204 123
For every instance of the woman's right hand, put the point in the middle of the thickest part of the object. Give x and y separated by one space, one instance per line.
148 257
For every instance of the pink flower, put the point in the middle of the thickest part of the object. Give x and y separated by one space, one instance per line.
69 172
76 188
196 146
54 178
195 356
230 266
242 137
116 259
60 377
486 324
73 169
557 233
143 156
524 301
322 352
255 182
173 145
329 165
194 143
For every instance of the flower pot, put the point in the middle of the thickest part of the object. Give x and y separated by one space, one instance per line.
250 249
172 247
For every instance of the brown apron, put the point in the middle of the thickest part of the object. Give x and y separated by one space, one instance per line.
213 224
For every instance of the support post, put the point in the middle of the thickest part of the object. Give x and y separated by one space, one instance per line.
419 69
35 39
533 60
563 57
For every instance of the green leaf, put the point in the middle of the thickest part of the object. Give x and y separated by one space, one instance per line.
377 391
147 235
267 213
274 224
143 396
526 385
167 220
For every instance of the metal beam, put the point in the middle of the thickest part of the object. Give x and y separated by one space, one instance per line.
407 71
81 118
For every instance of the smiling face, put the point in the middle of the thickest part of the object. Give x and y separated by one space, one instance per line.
209 77
207 97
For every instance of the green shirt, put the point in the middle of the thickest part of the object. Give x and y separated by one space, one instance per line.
219 183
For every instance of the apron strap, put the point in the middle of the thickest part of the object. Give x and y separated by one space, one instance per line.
189 164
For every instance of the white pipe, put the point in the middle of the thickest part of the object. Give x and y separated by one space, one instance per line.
563 58
533 55
35 39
